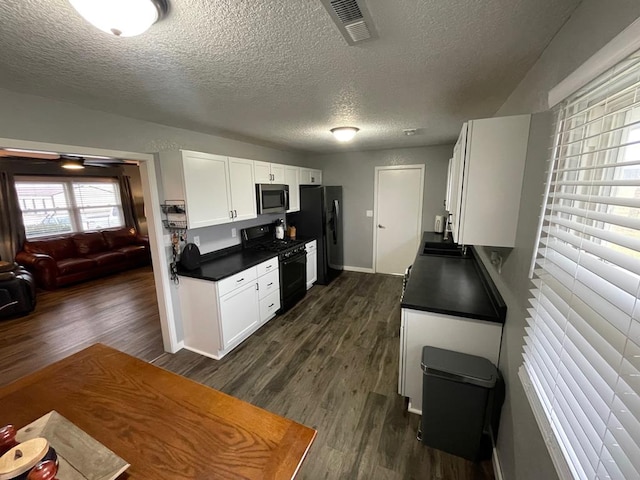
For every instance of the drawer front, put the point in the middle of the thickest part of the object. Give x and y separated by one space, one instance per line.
269 283
268 266
269 305
236 281
311 246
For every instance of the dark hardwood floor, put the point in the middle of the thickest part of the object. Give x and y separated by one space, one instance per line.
332 363
120 311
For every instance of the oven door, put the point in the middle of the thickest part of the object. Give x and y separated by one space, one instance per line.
293 280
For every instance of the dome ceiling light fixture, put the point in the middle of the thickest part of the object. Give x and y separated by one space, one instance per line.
344 134
122 18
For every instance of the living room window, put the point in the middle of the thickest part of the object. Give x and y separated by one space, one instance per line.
58 205
582 351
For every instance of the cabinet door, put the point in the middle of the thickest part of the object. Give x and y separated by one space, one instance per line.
305 176
262 172
312 268
316 177
243 189
207 195
447 196
494 160
292 178
239 314
277 173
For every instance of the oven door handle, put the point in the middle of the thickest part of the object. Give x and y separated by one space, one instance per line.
294 259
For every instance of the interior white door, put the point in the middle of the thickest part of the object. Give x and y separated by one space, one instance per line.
398 217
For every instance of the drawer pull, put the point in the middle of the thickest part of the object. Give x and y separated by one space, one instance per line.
269 284
241 280
269 266
271 305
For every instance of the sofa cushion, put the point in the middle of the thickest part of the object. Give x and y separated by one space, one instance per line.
135 252
59 248
107 258
89 242
120 238
74 265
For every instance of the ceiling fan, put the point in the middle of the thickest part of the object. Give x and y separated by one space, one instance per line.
71 161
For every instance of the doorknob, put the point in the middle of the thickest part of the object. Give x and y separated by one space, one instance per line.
381 226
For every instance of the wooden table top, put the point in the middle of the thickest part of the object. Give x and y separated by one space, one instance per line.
164 425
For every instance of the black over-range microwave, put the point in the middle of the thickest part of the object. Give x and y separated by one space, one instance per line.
272 198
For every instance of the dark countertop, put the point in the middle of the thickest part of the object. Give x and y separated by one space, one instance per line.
457 286
224 263
434 239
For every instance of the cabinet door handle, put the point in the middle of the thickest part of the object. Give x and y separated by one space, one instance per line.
235 212
269 284
381 226
257 286
231 213
271 305
269 266
241 280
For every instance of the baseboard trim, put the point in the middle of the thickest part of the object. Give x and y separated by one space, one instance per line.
497 468
179 345
204 354
358 269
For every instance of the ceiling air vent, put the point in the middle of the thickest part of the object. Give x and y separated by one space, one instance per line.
352 19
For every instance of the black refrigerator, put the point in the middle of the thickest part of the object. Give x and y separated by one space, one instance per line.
320 217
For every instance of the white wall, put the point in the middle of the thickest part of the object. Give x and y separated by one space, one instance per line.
32 118
355 171
522 452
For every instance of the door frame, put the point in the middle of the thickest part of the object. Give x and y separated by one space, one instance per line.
421 167
159 258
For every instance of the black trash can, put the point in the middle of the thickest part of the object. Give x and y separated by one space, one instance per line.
459 402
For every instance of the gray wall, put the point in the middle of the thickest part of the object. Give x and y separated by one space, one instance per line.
355 171
522 452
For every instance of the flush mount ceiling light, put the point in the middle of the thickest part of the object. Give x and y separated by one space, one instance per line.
344 134
73 164
122 18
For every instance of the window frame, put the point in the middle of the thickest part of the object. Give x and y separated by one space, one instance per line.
74 211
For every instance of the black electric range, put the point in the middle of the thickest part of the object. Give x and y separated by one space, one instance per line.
292 261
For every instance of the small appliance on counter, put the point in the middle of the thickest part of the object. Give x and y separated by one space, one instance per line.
279 229
292 260
438 226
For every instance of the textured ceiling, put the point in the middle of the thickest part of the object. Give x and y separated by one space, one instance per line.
279 72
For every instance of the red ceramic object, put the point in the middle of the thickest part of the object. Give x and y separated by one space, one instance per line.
44 471
7 438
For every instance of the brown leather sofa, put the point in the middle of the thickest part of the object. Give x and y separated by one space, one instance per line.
63 260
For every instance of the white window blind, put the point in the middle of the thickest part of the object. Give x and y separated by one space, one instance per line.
582 344
58 205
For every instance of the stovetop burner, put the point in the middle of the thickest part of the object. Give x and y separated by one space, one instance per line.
276 245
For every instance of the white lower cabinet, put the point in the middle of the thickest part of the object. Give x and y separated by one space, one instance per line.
238 314
218 316
419 329
312 263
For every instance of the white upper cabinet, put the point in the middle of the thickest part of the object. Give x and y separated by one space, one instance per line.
487 171
310 176
243 189
215 189
268 172
292 178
